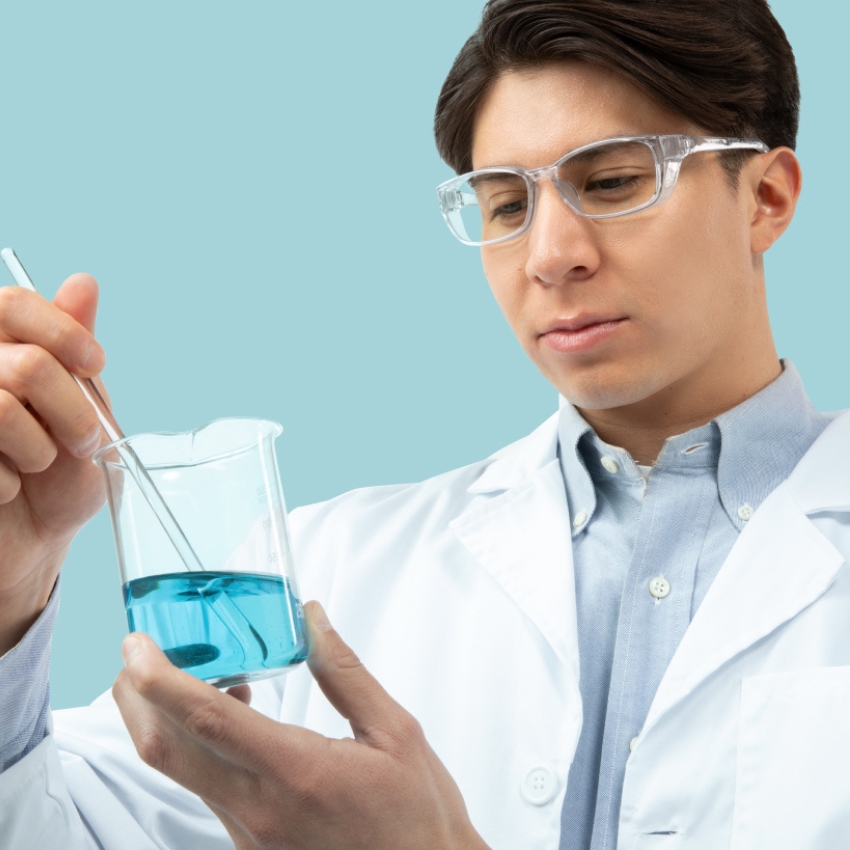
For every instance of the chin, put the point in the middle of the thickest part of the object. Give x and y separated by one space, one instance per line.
607 389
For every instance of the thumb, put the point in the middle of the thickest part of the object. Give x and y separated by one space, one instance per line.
78 297
350 688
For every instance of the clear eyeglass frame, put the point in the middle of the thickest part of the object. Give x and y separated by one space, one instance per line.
668 152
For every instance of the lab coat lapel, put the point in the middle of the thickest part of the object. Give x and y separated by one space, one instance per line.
518 530
779 566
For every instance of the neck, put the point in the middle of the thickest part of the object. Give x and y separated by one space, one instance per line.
641 428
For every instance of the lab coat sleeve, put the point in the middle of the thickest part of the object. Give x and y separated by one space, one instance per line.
35 809
25 689
72 780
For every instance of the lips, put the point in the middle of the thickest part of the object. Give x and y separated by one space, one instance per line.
580 333
580 322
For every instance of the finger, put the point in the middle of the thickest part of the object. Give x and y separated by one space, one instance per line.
10 482
240 692
27 317
349 686
37 378
78 297
165 747
214 719
22 439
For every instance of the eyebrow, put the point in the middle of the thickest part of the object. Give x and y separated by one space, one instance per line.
483 179
622 134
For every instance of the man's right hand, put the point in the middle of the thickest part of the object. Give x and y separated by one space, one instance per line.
49 486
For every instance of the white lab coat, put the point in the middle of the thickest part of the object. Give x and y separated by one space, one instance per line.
458 595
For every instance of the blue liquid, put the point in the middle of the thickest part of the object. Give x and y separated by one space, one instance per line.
225 628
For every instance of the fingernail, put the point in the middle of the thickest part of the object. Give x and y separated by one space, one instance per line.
92 444
320 618
129 648
93 359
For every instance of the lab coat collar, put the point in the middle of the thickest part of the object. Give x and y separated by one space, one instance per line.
517 463
518 529
780 564
821 481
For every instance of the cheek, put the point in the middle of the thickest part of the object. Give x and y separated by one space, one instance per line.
693 264
506 283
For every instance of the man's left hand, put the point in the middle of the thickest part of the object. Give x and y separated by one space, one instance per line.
278 786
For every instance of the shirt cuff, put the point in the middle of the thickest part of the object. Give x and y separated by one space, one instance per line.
25 688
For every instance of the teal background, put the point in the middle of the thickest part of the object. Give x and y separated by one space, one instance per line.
220 168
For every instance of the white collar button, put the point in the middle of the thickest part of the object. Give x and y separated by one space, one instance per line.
745 512
610 464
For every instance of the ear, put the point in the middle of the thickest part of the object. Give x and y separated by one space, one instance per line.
776 181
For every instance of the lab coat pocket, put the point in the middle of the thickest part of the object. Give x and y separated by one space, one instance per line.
660 841
793 771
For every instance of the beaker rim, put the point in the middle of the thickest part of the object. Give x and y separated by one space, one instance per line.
240 444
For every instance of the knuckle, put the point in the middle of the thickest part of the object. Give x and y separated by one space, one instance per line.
121 686
207 723
263 827
10 486
84 422
409 729
58 336
34 365
307 781
9 297
8 409
344 657
152 748
143 681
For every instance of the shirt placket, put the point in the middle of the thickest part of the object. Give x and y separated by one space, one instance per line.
654 615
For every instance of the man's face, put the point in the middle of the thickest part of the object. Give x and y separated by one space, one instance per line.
628 310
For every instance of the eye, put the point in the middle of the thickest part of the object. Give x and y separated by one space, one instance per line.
611 183
512 208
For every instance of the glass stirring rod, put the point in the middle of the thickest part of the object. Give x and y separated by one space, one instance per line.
134 465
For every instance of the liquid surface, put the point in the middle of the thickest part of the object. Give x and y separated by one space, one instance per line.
225 628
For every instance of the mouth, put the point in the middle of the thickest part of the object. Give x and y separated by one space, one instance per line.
581 333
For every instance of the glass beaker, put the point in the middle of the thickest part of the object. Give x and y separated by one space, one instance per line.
238 619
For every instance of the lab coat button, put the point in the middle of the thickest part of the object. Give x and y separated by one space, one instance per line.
610 464
659 587
745 512
539 786
580 519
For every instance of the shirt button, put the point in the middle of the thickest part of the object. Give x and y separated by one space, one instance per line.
659 587
610 464
580 519
539 786
632 743
745 512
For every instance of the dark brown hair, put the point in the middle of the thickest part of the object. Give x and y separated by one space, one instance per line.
726 65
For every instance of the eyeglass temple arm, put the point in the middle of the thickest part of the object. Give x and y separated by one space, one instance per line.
708 143
673 158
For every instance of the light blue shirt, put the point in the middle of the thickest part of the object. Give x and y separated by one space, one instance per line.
25 688
645 554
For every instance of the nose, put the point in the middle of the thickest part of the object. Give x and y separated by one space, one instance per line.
562 247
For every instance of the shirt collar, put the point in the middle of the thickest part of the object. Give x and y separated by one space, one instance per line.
753 447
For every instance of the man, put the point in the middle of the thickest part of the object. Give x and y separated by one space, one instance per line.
626 630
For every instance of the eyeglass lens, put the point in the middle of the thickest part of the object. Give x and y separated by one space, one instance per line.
603 180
